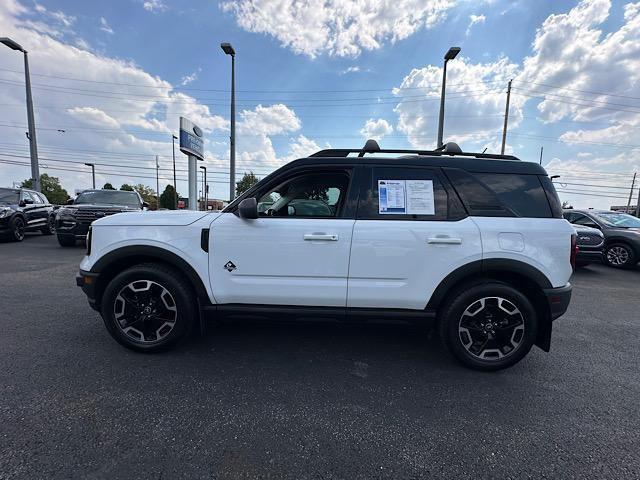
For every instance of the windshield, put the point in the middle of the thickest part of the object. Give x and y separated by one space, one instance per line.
108 197
9 196
623 220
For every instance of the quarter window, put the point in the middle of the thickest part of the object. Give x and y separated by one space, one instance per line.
306 195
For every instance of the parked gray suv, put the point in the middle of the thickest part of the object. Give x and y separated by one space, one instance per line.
621 234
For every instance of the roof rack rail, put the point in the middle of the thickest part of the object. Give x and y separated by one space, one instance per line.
371 146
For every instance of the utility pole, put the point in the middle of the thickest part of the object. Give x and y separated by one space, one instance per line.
633 184
638 205
506 118
157 184
541 149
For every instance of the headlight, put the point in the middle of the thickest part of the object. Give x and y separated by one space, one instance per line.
4 212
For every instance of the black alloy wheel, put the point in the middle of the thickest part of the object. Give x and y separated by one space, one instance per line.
17 229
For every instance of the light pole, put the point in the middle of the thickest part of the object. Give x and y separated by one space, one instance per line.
93 173
450 55
228 49
205 192
33 148
157 184
175 187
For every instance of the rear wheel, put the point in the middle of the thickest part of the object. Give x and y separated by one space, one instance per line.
17 229
50 227
619 255
490 326
66 240
148 308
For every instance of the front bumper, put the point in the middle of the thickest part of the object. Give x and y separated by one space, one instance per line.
87 281
589 256
68 226
558 300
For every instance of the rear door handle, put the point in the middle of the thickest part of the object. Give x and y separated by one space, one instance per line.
444 240
321 236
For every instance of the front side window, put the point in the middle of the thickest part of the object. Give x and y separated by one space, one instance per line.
306 195
27 196
579 219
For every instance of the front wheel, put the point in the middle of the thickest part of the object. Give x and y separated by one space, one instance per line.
148 308
620 255
17 228
490 326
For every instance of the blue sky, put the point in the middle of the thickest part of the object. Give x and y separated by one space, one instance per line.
117 75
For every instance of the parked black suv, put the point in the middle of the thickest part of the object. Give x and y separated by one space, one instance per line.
590 242
73 221
23 210
621 234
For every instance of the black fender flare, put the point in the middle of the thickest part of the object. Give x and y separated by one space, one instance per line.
483 267
149 252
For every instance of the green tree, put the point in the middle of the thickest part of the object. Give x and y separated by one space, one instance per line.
108 186
126 187
247 181
168 198
51 188
148 194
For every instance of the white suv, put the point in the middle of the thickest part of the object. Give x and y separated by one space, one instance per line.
474 243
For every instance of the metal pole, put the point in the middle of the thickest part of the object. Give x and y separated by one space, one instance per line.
633 184
206 192
441 117
638 205
175 187
93 174
157 184
541 149
193 183
33 147
506 118
232 160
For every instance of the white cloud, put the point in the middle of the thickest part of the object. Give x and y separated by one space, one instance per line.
474 20
376 129
154 6
192 77
337 27
475 101
104 26
352 69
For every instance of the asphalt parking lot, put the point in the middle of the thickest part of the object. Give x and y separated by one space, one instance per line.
326 401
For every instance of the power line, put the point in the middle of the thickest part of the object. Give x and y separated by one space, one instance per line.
591 92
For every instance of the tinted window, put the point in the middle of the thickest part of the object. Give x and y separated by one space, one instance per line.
552 196
368 206
9 196
109 197
523 194
478 199
27 196
43 198
580 219
307 195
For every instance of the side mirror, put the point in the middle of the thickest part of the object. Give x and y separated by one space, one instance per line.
25 202
70 201
145 205
248 209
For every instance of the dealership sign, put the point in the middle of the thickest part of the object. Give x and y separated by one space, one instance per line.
191 141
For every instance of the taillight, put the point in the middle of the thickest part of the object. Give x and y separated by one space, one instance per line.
574 250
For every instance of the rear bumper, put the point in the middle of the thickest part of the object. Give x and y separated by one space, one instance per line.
558 300
87 281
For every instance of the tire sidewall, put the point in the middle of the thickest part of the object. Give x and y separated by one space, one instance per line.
14 223
173 283
460 302
632 256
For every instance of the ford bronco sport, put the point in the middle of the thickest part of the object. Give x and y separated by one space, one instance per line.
474 243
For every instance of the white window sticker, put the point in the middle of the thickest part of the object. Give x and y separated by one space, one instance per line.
408 197
391 196
420 200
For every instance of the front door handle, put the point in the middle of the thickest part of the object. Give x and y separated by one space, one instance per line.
444 240
321 236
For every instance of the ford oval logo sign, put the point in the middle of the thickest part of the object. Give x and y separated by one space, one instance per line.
197 130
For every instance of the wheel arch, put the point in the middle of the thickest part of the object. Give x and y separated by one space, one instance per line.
630 243
118 260
522 276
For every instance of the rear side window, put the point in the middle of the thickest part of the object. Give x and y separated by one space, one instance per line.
369 204
502 194
552 196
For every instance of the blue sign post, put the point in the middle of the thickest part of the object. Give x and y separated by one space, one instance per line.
192 144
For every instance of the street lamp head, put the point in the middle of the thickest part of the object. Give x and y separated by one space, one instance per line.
89 164
228 49
554 176
452 53
203 168
174 137
11 44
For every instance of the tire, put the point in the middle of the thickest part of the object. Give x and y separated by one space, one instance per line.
619 255
130 302
50 228
67 240
17 228
505 344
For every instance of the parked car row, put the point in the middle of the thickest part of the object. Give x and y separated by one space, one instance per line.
23 210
